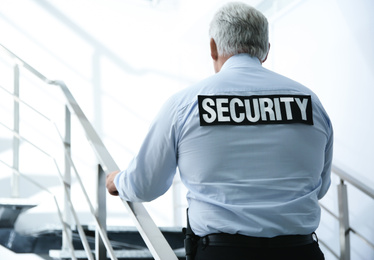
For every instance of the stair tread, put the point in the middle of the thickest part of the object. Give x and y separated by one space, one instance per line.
136 253
10 255
17 202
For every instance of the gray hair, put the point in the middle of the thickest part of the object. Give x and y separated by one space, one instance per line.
240 28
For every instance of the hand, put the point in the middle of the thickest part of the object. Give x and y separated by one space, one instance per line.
110 183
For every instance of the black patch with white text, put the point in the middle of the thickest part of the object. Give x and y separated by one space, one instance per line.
254 110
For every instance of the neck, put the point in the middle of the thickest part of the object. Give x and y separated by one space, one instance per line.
220 61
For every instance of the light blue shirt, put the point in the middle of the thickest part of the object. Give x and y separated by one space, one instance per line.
259 180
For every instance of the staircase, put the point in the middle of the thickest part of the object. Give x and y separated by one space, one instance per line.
72 240
126 241
7 254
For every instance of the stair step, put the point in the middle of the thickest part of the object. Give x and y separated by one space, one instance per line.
11 208
120 254
126 242
7 254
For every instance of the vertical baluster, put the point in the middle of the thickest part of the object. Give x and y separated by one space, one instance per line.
344 221
67 182
16 142
100 214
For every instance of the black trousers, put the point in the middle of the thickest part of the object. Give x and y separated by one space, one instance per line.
304 252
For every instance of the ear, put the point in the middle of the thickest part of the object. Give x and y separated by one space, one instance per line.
266 55
213 50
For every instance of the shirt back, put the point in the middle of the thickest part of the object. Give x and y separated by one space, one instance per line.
259 179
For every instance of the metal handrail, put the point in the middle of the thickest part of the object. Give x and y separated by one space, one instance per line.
152 236
343 175
71 164
343 216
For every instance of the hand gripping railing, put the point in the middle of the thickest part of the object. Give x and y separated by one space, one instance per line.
150 233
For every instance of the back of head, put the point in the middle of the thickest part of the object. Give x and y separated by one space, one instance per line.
240 28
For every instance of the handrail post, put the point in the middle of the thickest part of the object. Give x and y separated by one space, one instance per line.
16 142
344 221
100 249
66 237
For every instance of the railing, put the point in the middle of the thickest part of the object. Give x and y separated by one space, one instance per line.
150 233
343 216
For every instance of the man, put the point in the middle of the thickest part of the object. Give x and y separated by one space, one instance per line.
253 148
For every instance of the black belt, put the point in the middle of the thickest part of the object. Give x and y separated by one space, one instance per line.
246 241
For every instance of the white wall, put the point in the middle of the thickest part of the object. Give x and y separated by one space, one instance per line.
122 59
328 46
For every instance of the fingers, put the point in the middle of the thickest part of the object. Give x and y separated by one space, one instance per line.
112 189
113 193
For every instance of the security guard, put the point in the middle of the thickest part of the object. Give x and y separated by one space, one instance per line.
253 148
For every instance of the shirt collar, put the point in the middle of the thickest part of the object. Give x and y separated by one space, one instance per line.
241 60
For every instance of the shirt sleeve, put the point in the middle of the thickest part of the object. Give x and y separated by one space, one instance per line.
326 173
150 174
